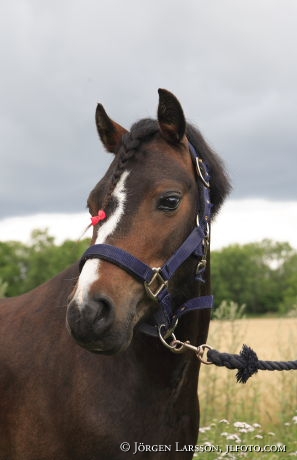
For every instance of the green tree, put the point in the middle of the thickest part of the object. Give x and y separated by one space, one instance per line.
13 266
23 267
251 274
46 259
289 301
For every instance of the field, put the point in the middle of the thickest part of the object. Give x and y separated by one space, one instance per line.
268 399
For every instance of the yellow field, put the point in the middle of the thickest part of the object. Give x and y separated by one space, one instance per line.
268 397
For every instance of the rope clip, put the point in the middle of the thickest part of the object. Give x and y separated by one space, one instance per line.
177 346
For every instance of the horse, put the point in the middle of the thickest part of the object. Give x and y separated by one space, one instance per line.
83 372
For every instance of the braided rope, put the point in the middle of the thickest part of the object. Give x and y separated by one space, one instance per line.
247 363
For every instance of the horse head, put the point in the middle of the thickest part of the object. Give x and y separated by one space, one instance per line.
145 206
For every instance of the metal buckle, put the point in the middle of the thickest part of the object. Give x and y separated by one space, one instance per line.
201 266
153 291
203 262
198 162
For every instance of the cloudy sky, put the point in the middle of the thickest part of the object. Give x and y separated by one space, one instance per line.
231 63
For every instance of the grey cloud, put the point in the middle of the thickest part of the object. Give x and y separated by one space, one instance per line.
232 65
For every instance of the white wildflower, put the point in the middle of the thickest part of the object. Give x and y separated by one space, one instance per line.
233 437
294 419
244 426
224 421
256 425
239 424
203 429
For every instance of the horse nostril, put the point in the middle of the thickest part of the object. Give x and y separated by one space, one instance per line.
88 322
102 307
103 311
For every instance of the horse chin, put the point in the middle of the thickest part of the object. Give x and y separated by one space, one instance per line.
101 350
114 342
110 346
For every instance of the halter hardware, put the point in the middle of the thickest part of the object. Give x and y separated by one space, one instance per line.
199 164
151 285
201 266
178 346
156 279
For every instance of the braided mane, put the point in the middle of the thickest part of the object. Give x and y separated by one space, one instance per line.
141 131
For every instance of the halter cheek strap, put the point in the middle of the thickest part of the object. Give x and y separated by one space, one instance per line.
156 279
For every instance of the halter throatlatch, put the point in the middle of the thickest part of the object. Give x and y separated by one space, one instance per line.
156 279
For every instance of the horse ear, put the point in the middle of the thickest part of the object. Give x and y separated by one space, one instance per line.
109 131
171 117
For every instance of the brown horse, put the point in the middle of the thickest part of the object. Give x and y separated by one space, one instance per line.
58 400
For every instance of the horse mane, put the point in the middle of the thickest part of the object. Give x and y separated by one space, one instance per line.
144 130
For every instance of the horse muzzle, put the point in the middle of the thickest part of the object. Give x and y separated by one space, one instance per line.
91 324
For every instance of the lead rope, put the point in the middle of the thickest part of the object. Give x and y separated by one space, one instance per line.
246 362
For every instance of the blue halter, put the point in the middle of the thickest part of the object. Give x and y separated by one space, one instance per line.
156 279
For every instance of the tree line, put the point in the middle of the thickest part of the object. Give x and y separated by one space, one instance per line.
25 266
262 276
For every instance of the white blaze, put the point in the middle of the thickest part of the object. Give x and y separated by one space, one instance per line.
90 272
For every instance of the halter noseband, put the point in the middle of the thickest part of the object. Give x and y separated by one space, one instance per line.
156 279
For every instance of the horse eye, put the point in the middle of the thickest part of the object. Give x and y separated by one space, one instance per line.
169 202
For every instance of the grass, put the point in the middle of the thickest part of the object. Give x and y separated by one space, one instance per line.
266 404
237 440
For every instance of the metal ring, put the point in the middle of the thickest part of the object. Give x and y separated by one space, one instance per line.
174 345
200 353
179 347
162 338
197 221
200 174
171 330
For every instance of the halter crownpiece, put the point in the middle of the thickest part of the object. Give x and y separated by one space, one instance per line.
156 279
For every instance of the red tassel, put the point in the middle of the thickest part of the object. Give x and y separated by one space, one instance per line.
101 216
